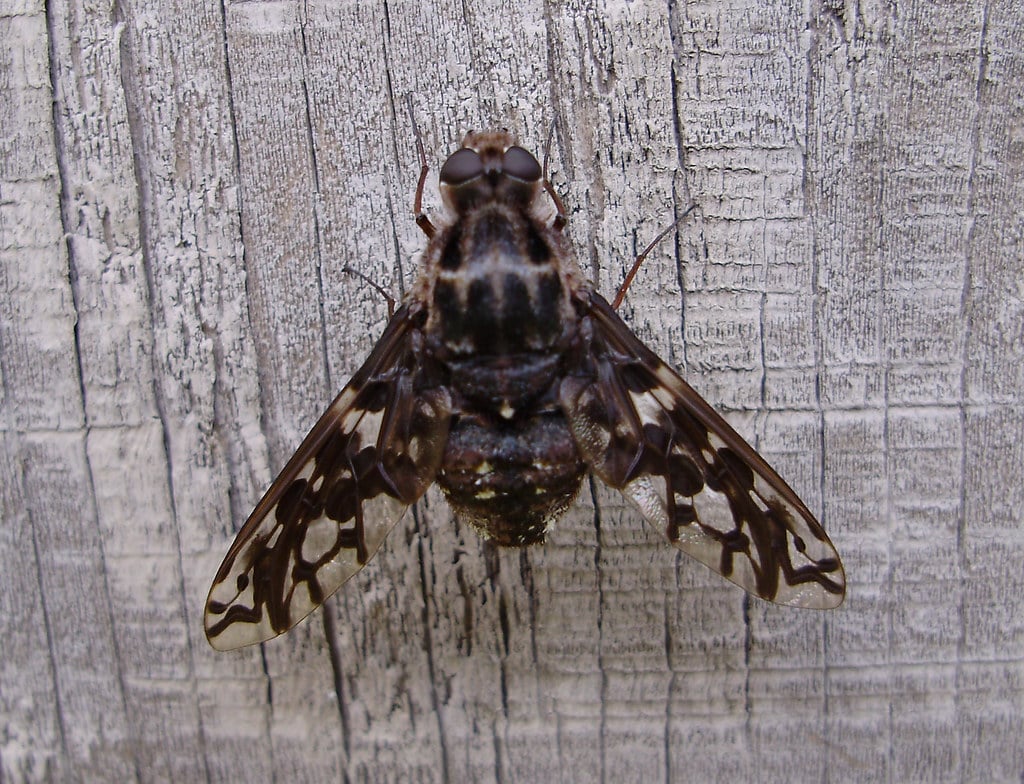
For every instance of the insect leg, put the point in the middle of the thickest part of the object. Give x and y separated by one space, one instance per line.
376 287
621 293
560 219
417 207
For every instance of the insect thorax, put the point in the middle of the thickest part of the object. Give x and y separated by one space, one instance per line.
501 317
501 324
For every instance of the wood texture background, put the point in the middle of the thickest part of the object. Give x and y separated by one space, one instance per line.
181 187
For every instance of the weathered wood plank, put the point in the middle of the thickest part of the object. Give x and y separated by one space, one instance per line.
141 552
179 228
40 380
98 740
53 529
33 745
177 100
285 291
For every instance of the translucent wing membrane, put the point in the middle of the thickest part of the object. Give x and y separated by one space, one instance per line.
372 453
646 432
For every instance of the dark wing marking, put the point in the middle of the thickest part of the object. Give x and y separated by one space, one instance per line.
646 432
372 453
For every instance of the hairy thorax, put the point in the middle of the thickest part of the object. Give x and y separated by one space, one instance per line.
500 313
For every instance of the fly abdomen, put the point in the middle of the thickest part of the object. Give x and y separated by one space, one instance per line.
509 480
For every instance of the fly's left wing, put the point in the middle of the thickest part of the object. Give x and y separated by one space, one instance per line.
372 453
646 432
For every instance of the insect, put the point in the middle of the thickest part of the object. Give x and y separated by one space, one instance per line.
505 377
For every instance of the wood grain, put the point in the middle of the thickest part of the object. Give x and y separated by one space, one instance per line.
182 189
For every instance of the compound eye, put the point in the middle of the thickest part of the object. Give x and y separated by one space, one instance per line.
461 167
520 164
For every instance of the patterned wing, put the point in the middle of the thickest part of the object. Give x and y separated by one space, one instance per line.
646 432
372 453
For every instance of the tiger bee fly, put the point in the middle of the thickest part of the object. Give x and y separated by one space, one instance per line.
505 377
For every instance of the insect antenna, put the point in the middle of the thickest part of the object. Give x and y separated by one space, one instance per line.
621 293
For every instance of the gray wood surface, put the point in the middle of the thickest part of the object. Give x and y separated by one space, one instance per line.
182 185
